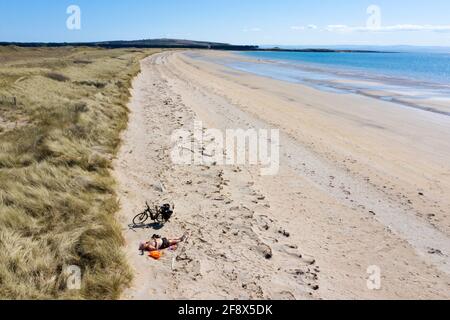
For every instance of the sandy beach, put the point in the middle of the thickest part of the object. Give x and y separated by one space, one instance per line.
362 183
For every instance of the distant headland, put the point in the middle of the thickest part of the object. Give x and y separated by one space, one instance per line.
169 44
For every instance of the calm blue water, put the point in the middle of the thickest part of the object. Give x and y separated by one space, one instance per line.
418 80
426 67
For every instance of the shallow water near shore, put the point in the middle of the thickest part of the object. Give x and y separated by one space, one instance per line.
421 67
375 75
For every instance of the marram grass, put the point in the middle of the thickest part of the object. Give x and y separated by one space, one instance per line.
61 114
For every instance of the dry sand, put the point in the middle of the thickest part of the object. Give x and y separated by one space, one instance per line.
362 183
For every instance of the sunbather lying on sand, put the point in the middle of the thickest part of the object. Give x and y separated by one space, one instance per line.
158 243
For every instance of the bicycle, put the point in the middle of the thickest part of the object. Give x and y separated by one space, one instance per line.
159 214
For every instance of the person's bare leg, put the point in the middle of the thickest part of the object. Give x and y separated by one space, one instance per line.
174 242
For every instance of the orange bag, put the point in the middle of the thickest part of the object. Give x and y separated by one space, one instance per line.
155 255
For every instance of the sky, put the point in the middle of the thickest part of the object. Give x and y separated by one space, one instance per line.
259 22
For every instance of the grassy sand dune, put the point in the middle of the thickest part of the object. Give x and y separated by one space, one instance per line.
61 114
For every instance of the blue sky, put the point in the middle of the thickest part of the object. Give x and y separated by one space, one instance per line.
284 22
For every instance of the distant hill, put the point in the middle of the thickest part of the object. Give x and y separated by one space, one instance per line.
184 44
146 43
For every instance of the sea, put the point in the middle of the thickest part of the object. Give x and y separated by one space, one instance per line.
411 78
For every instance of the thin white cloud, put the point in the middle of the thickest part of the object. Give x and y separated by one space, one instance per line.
302 28
393 28
255 29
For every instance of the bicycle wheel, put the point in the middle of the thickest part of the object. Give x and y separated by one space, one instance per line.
140 219
160 219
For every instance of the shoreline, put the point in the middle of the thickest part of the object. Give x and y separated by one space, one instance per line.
358 186
426 96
